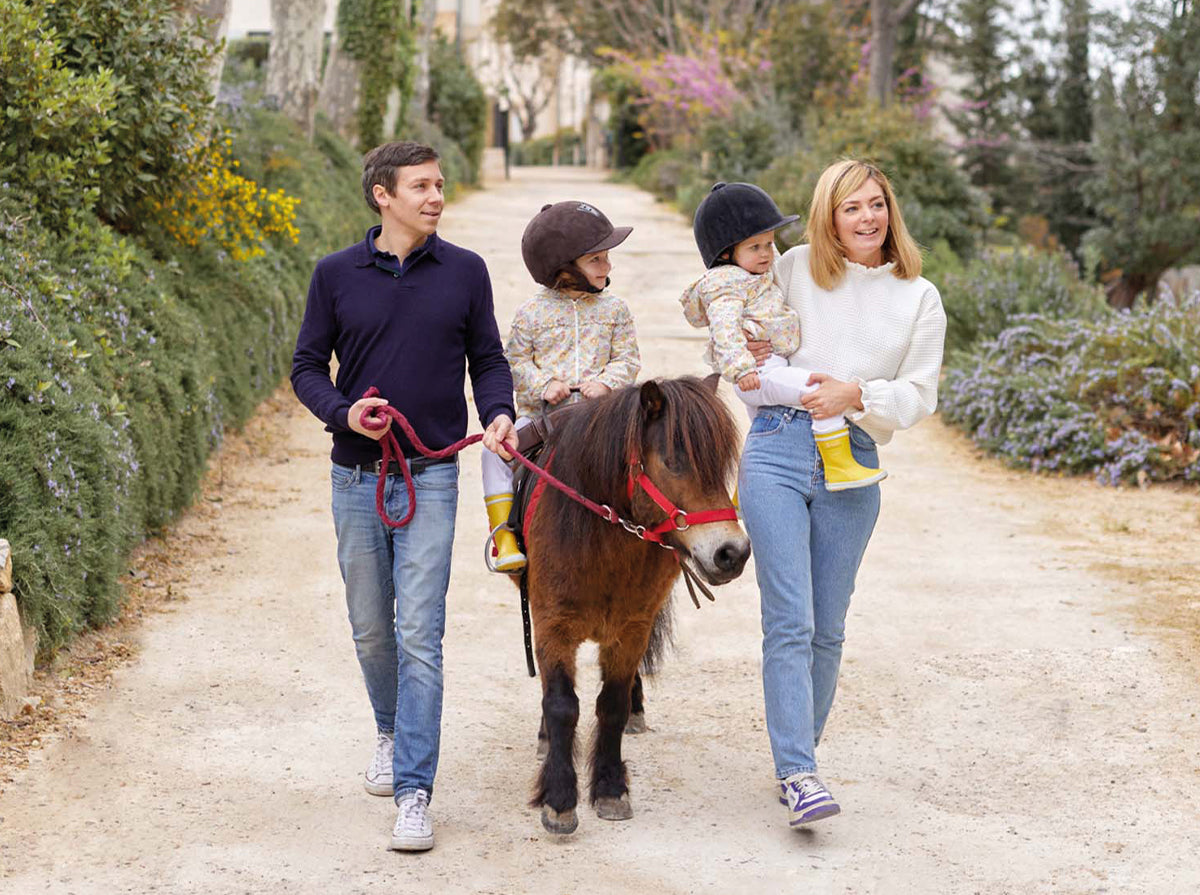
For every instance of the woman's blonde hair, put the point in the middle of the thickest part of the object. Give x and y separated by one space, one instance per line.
827 255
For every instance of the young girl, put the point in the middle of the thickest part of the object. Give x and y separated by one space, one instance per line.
735 231
573 336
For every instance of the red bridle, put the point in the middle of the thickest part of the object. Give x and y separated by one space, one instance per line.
677 519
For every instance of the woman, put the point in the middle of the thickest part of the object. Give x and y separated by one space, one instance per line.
868 318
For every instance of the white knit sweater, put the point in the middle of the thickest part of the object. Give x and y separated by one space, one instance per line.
875 329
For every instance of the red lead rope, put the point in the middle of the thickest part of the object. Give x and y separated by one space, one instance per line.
372 418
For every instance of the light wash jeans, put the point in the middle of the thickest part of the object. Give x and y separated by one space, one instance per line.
808 543
396 581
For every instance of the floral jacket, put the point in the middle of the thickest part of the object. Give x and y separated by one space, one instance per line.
573 340
728 299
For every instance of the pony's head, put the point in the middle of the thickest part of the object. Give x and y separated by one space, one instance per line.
681 434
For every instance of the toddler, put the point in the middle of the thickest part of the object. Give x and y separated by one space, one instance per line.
573 339
735 231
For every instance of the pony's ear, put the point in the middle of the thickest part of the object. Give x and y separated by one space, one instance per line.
652 399
712 380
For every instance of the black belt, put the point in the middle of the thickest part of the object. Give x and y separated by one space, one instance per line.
415 465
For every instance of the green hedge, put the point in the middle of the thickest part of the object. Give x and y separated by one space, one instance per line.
124 359
541 150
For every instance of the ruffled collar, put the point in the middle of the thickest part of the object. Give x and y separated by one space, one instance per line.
853 268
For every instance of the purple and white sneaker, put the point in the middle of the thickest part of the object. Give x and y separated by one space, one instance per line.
807 799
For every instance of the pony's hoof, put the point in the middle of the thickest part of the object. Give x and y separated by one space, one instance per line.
543 749
637 723
614 807
561 822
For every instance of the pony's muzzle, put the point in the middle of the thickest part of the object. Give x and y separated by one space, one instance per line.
718 554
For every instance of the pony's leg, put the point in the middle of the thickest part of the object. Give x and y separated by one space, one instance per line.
543 741
637 707
610 784
557 786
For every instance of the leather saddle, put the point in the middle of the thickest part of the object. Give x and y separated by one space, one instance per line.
531 442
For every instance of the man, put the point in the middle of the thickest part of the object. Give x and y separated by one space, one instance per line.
404 311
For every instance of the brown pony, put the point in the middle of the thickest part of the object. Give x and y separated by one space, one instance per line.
589 579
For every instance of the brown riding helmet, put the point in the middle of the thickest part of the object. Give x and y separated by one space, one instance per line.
562 232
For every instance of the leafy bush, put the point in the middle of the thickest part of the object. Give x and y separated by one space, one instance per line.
541 151
160 62
981 299
937 200
1119 394
55 121
124 359
219 204
665 172
624 96
457 103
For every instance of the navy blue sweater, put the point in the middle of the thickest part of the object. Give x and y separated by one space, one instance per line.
409 329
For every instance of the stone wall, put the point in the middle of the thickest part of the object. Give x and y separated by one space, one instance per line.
17 643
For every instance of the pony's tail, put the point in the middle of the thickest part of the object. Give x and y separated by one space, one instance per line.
662 638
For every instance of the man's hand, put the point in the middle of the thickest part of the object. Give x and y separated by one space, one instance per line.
831 397
555 391
354 418
593 389
760 350
499 434
749 382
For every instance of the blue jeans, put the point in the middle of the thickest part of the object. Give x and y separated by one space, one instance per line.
808 544
396 581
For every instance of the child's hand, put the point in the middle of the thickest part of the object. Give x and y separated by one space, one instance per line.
749 382
593 389
555 391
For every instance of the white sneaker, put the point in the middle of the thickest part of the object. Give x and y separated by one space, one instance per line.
414 829
378 779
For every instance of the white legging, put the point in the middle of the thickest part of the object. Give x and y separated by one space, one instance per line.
781 384
497 474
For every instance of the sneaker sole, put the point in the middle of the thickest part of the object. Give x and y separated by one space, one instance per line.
423 843
378 789
820 812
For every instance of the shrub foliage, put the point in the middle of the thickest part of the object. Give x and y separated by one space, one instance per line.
123 359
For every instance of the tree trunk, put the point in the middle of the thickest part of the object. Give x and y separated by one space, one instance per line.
426 17
339 97
216 16
294 60
1124 290
883 52
885 26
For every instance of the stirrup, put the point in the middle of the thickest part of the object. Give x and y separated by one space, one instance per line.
488 543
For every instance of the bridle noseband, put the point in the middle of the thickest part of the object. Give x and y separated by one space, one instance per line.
677 519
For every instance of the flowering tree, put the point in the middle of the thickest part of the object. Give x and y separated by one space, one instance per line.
681 92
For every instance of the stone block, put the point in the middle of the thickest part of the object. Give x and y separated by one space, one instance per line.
5 567
18 645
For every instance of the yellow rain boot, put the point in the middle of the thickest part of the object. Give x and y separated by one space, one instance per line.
842 471
509 558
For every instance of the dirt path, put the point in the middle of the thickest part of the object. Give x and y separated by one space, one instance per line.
1017 711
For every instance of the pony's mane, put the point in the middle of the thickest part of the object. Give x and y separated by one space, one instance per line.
595 440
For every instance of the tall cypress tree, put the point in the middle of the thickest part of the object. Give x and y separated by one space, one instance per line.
985 119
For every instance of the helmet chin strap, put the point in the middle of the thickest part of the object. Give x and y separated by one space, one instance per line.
580 283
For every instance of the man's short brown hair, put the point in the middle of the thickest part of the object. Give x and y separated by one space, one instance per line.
380 164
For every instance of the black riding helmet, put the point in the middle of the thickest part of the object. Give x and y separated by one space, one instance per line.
732 212
562 232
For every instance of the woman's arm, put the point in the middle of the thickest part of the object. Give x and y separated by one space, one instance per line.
913 394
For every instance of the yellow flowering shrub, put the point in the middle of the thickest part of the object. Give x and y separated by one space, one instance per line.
221 205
